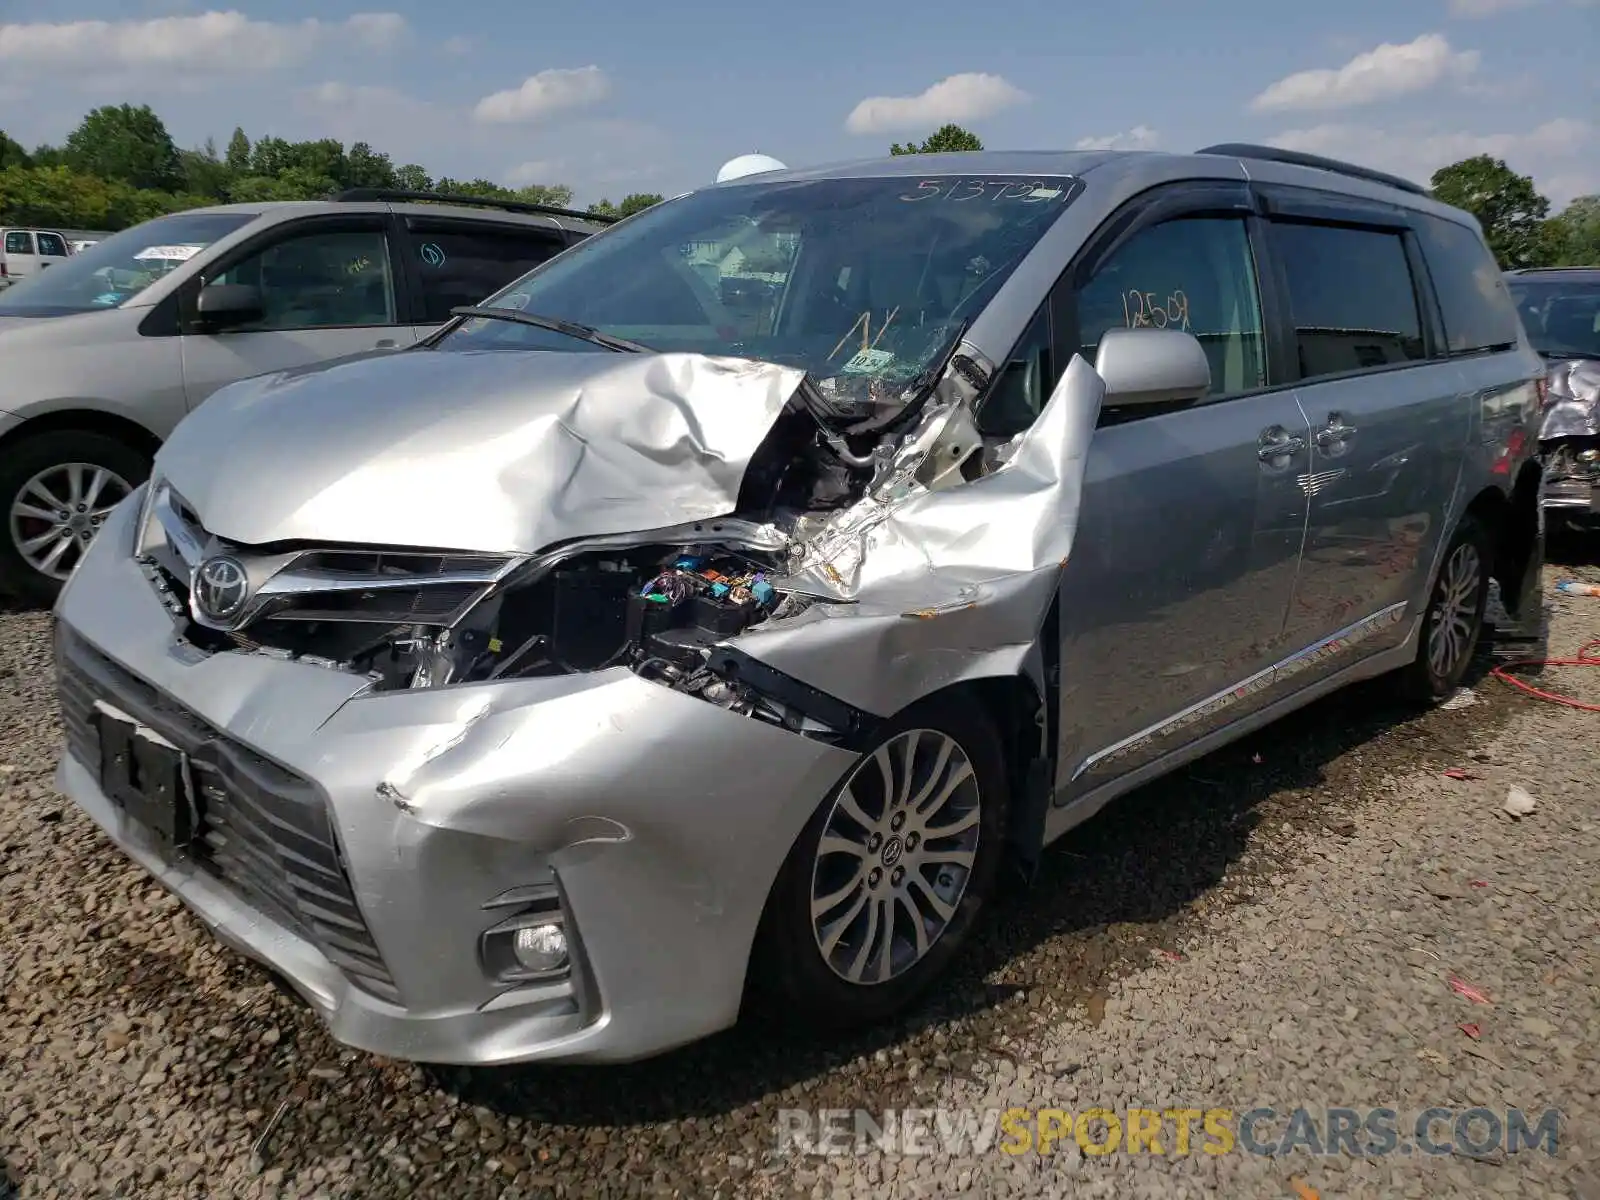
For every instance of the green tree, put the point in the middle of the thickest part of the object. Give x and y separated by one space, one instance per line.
127 144
238 159
413 178
46 155
947 139
1574 234
1507 205
204 174
12 154
366 168
555 194
630 204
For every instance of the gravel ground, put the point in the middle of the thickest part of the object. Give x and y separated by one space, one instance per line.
1276 926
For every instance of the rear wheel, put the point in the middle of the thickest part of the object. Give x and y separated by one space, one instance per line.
884 884
56 490
1454 618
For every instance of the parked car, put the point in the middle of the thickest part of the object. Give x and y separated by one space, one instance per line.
25 252
1561 308
78 247
107 351
542 690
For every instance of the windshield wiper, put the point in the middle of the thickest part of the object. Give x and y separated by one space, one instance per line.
555 325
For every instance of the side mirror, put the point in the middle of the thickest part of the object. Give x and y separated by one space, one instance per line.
1152 366
220 305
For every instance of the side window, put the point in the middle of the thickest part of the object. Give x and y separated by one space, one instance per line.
52 243
19 241
1477 308
1351 296
1196 274
461 266
320 280
1022 384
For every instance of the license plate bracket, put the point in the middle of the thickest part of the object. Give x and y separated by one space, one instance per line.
148 778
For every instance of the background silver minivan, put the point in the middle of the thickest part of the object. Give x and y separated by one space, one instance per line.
102 355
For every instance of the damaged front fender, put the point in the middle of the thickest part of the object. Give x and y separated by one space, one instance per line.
917 589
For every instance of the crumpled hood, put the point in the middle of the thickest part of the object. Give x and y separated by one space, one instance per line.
1572 407
493 451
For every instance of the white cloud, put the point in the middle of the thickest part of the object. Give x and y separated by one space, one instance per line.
1140 137
1383 73
545 93
209 41
378 30
1560 154
970 96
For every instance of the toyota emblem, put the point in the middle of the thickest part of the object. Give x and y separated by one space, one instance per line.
220 588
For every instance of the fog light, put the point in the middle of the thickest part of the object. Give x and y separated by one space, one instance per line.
540 948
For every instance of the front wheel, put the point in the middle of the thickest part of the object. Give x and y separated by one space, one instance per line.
56 489
1454 618
884 884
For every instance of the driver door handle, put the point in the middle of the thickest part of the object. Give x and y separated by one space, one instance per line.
1276 443
1335 431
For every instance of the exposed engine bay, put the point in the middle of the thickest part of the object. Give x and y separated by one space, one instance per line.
657 605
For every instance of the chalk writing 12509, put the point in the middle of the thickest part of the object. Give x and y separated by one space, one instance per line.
1149 310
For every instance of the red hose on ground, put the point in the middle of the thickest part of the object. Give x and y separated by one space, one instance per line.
1588 656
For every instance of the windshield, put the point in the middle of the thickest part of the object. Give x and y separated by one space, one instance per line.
1563 319
110 272
864 283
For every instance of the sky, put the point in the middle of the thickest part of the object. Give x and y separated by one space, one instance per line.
637 95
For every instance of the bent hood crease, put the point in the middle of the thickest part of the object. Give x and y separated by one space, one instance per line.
492 451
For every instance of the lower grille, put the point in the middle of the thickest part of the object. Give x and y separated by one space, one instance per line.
263 831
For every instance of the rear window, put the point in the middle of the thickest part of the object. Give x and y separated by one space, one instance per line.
1477 309
1352 297
458 266
52 243
19 241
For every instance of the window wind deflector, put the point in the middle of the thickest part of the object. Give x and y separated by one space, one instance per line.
555 325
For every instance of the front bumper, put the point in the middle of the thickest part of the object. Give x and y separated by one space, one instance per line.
1572 497
352 842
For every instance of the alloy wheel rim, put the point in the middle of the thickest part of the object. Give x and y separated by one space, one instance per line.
56 514
1455 606
895 858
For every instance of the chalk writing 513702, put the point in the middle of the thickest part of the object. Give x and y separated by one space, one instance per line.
1149 310
1026 191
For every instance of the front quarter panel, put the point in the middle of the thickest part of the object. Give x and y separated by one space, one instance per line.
95 361
941 586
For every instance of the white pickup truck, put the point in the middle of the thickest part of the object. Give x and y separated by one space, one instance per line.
24 251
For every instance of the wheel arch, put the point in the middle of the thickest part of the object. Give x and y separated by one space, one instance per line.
1512 519
89 420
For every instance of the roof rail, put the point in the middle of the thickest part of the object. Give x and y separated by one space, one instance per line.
516 206
1295 158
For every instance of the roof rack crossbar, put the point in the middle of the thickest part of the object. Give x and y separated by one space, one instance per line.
518 206
1296 158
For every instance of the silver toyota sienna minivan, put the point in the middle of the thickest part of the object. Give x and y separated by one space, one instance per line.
731 599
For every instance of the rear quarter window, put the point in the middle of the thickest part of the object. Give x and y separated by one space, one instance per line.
459 265
1473 299
19 241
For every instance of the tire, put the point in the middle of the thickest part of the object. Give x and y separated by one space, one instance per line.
1454 617
51 458
790 962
